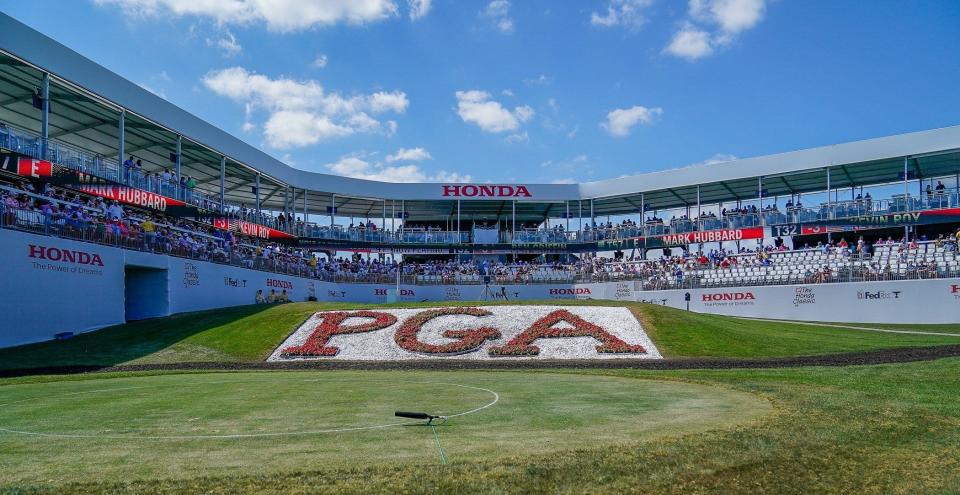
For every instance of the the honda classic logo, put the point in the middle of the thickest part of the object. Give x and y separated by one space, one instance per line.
65 255
729 296
485 191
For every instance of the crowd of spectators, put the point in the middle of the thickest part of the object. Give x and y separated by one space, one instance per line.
41 206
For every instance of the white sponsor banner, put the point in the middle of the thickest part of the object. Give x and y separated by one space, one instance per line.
492 332
52 285
905 301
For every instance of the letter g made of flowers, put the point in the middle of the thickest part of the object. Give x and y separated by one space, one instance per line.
468 340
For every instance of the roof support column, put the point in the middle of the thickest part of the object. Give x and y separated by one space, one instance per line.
333 209
305 217
223 182
760 194
580 217
122 133
567 203
699 226
829 206
179 158
45 116
906 194
593 219
458 222
513 216
643 217
258 194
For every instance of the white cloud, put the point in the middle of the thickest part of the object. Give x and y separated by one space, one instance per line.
409 155
507 92
227 44
729 17
321 61
418 8
538 81
620 121
290 128
278 15
302 113
566 170
733 16
519 137
498 12
715 159
624 13
476 107
690 43
360 168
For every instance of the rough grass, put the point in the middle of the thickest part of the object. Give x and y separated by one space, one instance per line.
870 430
688 334
251 333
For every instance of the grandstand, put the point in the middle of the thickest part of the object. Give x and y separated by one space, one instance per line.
91 159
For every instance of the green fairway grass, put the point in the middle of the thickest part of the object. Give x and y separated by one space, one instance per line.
186 426
251 333
865 429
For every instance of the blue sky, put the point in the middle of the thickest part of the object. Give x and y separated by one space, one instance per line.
528 91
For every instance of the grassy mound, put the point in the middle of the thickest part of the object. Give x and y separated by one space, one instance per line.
251 333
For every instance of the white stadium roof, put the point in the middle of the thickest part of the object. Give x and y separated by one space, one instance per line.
90 94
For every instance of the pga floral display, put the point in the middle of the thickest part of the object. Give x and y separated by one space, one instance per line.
490 332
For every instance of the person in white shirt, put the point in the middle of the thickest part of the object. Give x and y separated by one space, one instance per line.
114 211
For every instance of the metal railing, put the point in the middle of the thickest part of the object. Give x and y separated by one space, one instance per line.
926 261
31 144
179 243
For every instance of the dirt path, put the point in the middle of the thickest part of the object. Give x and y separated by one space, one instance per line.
883 356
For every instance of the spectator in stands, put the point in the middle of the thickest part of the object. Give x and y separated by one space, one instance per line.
127 167
149 232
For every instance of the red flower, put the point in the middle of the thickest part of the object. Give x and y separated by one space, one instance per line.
315 345
470 340
521 345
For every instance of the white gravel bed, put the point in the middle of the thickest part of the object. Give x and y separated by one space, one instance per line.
379 345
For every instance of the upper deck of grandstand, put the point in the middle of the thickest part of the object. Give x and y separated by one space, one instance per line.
57 105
